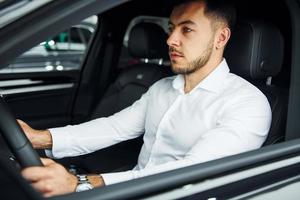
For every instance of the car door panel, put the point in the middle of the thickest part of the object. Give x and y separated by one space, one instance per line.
42 102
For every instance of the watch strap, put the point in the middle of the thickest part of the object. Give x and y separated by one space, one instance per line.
83 183
82 178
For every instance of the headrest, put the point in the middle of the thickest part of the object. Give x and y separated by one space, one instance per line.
145 75
148 40
255 50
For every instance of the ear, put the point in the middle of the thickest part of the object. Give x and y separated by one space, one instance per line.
223 36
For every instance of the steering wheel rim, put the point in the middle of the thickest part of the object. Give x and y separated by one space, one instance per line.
15 138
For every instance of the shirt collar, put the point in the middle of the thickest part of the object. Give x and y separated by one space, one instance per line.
213 82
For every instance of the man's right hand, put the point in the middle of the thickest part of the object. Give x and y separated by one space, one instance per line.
40 139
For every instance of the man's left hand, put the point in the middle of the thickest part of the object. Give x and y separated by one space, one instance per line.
51 179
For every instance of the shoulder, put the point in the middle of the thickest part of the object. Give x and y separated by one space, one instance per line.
241 91
241 86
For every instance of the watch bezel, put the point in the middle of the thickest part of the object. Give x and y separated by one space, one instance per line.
84 187
83 184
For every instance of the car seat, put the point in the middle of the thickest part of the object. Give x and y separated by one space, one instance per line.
255 52
147 41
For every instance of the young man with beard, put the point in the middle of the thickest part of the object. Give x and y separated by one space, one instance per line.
203 113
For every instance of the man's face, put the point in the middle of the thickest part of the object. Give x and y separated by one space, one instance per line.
191 39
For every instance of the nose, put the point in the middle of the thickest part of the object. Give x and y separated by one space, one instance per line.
173 39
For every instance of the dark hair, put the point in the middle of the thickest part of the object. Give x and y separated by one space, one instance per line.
223 10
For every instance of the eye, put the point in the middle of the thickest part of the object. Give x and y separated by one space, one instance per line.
186 30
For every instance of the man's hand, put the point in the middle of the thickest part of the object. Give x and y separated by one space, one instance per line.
51 179
40 139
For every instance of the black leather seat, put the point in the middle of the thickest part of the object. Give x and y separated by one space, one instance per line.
146 41
255 52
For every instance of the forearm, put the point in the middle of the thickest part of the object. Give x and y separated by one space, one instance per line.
42 140
96 180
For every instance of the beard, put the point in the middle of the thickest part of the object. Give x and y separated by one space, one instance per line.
196 64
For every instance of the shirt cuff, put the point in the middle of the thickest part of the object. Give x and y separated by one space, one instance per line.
60 144
48 153
117 177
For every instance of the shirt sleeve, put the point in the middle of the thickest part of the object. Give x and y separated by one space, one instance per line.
99 133
117 177
242 127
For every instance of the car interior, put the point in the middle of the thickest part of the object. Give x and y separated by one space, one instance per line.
259 51
255 52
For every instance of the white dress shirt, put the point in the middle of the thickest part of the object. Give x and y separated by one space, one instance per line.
223 115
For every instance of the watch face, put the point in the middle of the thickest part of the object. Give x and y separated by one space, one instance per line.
83 187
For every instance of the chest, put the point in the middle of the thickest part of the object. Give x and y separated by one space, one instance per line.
182 119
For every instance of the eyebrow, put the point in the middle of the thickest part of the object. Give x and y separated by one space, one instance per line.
185 22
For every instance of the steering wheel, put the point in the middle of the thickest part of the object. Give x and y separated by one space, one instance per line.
16 139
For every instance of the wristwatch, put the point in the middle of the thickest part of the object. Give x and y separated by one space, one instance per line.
83 183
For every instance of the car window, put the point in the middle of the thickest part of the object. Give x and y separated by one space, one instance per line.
61 52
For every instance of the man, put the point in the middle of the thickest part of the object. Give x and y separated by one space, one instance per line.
203 113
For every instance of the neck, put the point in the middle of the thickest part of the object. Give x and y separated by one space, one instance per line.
193 79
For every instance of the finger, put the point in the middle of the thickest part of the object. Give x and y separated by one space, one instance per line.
48 194
47 161
21 122
23 125
51 194
42 186
34 174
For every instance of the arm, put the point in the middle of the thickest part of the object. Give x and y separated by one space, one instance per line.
99 133
93 135
40 139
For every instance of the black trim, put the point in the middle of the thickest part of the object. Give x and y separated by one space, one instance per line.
293 125
157 183
40 88
10 5
248 185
